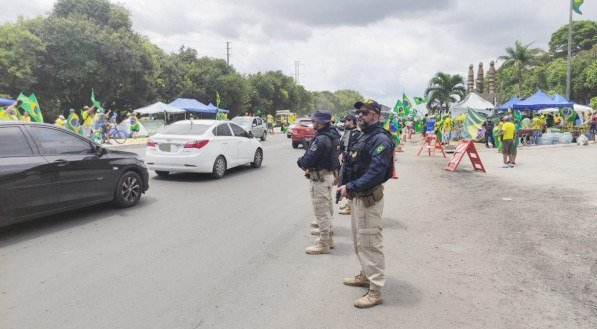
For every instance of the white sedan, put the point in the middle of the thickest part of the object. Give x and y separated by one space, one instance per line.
202 146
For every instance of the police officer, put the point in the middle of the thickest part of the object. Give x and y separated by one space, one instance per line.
351 133
320 163
372 166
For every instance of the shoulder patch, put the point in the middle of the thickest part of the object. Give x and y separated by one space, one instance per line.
380 149
313 147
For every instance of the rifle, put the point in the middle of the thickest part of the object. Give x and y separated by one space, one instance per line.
345 157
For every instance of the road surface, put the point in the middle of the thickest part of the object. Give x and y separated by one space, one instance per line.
463 250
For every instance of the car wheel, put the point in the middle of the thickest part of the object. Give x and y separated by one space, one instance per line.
264 136
295 144
257 159
128 190
219 168
162 173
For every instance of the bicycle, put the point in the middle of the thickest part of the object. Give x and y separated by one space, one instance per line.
118 135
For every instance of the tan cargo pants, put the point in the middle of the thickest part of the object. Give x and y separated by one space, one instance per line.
321 197
368 241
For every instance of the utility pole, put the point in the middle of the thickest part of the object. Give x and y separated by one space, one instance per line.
228 52
297 69
568 63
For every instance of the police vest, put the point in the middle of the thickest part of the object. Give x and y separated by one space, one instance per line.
360 155
329 160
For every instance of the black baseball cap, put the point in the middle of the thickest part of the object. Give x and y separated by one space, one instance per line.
349 117
370 104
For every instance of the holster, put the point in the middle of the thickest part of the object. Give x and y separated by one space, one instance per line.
372 196
316 176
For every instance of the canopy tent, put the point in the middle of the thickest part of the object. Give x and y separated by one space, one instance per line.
158 107
6 102
510 104
472 101
217 109
190 105
559 98
549 110
539 101
582 108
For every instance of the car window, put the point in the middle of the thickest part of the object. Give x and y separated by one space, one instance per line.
255 122
185 129
259 122
238 131
13 142
53 141
222 130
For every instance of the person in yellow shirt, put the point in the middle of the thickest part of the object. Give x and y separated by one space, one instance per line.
537 128
508 132
270 123
447 130
60 121
25 117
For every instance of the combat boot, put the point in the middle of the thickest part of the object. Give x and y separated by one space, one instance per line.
320 247
315 231
370 299
357 281
345 210
314 224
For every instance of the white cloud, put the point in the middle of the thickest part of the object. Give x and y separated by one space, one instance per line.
380 48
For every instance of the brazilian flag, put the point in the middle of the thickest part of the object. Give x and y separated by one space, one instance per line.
95 102
31 106
576 6
73 123
420 100
399 108
568 113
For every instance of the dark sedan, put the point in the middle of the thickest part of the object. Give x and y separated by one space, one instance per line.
45 170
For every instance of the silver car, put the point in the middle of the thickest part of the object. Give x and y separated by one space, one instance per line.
256 125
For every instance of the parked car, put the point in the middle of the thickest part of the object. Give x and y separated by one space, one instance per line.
302 133
256 125
45 169
202 146
296 123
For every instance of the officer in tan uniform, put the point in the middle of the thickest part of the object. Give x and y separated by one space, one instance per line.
320 163
372 165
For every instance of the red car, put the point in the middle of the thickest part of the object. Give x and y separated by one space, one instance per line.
302 132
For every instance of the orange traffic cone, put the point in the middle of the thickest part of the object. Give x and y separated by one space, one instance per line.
394 174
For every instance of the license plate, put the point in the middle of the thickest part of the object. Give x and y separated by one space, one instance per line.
164 147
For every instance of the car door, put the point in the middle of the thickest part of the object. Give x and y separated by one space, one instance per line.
82 176
228 143
245 144
25 181
255 128
260 127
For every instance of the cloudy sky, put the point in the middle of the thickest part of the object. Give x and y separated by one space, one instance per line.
380 48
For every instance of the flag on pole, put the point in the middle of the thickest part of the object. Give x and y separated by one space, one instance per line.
407 104
73 123
576 6
420 100
217 99
94 102
31 106
399 108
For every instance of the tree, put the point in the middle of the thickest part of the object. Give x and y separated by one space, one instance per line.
584 37
445 89
521 57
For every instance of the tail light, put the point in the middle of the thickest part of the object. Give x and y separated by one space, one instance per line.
196 144
151 143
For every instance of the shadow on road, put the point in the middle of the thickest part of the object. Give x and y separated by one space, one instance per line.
64 221
193 177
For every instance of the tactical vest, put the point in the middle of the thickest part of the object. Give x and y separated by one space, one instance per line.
332 148
358 165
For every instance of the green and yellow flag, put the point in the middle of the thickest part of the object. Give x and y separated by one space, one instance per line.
73 123
217 99
407 104
420 100
399 108
576 6
31 106
94 102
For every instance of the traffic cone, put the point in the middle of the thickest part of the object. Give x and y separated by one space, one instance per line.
394 174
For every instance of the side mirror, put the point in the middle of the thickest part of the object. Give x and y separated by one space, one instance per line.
100 151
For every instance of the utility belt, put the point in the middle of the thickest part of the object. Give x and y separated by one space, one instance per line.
319 175
371 196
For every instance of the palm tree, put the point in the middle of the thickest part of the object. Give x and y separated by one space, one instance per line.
444 88
521 57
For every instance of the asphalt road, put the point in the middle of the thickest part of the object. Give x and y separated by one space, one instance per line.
229 253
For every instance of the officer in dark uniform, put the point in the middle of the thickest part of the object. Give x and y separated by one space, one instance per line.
351 133
320 164
372 165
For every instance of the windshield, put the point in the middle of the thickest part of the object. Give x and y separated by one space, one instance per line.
185 129
242 121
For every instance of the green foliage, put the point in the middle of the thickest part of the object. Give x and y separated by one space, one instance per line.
340 102
85 44
444 89
584 37
593 102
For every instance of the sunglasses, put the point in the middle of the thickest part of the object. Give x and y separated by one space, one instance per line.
363 112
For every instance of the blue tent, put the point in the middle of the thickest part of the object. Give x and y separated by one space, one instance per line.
217 109
509 104
559 98
6 102
190 105
539 101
